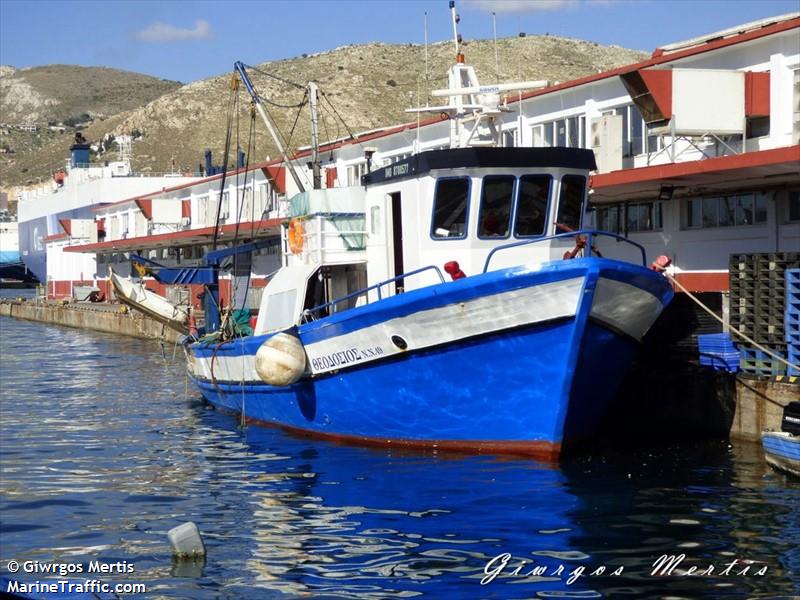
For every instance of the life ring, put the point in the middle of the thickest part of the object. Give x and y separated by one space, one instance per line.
296 236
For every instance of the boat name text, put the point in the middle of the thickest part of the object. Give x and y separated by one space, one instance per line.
344 357
395 170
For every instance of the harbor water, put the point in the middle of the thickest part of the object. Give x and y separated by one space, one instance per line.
104 448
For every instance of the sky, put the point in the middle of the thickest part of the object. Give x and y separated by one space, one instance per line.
189 40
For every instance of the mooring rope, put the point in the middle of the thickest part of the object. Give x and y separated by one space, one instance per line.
244 362
755 344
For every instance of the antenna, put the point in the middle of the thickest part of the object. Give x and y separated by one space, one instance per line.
456 36
496 60
427 80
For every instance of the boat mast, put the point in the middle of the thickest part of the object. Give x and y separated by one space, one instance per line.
239 66
315 166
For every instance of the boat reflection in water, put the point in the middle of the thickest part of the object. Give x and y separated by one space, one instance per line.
348 521
351 522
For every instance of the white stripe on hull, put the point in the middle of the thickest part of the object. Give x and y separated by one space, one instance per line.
423 329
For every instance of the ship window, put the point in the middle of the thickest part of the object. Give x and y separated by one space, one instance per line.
534 191
570 202
450 203
494 219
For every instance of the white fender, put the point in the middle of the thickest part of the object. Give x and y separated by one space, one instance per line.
281 360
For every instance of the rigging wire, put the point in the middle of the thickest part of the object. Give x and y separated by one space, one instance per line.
276 77
347 128
232 102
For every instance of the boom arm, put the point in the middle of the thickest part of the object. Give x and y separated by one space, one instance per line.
239 66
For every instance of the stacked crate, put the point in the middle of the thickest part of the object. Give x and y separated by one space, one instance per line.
718 352
792 318
758 307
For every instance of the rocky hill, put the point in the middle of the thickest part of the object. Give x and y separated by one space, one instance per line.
369 86
63 93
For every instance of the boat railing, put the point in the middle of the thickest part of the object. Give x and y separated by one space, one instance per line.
589 243
312 313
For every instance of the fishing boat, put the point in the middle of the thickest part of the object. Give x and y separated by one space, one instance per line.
454 300
782 448
135 295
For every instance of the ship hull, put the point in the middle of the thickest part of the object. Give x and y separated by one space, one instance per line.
525 378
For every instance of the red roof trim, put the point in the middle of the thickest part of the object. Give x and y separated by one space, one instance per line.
56 237
146 206
66 225
720 163
244 231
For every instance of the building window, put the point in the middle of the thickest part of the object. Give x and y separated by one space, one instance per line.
450 204
225 210
794 205
532 197
632 129
726 211
570 202
632 217
569 133
510 138
494 218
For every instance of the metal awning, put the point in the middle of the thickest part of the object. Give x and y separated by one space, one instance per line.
765 169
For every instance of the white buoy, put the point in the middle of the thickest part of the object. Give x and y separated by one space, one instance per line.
186 541
281 360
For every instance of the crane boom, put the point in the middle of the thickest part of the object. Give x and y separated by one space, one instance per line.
239 66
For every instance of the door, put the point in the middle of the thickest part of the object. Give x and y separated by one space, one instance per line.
397 240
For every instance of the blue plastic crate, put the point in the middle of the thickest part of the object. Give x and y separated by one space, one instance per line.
715 342
794 358
757 362
728 361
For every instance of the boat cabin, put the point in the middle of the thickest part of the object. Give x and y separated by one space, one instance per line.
345 247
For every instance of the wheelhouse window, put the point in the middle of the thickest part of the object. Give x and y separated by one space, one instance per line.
533 194
450 204
570 202
494 218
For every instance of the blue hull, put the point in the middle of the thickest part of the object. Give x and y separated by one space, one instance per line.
782 451
525 390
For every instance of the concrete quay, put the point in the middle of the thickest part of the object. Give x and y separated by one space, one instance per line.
110 318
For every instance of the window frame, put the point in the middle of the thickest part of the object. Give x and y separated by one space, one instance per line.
511 210
515 216
718 201
581 208
431 229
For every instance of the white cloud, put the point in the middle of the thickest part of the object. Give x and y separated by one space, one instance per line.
162 32
521 6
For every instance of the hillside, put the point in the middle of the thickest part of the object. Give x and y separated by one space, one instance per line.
369 86
57 93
